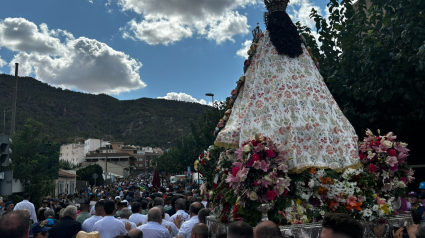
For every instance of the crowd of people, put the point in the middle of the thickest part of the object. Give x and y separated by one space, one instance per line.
132 208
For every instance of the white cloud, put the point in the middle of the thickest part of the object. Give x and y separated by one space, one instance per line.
90 1
243 52
2 62
157 31
214 20
183 97
84 64
300 10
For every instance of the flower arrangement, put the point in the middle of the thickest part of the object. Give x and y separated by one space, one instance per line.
256 173
386 158
259 173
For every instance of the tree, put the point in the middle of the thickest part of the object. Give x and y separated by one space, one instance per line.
35 161
66 165
185 153
373 61
86 174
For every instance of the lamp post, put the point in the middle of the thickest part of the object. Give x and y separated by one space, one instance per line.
181 130
212 96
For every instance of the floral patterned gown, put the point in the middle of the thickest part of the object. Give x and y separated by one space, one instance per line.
287 100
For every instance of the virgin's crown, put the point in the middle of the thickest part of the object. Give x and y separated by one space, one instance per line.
276 5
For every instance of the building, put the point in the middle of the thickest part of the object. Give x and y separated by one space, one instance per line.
145 156
66 182
93 145
73 153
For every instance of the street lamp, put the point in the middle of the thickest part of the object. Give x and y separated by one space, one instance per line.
211 95
181 130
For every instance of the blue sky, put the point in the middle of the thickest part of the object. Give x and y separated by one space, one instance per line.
131 49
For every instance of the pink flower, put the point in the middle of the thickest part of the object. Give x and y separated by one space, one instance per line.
404 180
264 165
391 161
380 201
351 200
271 195
235 170
257 165
394 168
270 154
283 167
249 163
232 180
256 157
242 174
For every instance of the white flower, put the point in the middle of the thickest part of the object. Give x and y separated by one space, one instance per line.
367 213
304 218
311 183
288 209
253 196
288 217
385 175
388 144
403 144
370 155
369 132
322 212
305 196
247 148
375 208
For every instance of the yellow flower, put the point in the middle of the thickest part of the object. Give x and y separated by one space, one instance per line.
299 201
385 208
374 195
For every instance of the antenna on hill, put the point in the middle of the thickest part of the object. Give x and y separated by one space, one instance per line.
15 98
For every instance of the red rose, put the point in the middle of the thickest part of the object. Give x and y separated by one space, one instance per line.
203 162
256 157
377 143
215 186
363 156
202 156
270 153
372 168
254 143
391 152
235 170
271 195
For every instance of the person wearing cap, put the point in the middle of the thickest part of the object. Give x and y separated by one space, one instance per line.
422 189
39 230
8 206
121 205
414 203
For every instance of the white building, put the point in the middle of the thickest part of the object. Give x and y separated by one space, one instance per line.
74 153
93 145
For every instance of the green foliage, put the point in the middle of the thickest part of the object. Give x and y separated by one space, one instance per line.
34 161
66 165
201 137
373 61
67 114
86 174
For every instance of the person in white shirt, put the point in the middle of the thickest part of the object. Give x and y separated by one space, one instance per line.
166 224
137 217
186 229
153 228
125 214
26 205
108 226
180 206
157 202
88 225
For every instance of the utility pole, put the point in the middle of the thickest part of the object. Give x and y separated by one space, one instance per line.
15 98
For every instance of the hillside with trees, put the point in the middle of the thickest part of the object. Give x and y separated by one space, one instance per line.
67 114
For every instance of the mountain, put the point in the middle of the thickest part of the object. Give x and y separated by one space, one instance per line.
67 114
